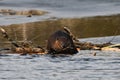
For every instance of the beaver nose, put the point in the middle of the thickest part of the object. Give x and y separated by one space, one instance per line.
57 45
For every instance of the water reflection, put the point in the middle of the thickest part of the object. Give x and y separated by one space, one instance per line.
38 32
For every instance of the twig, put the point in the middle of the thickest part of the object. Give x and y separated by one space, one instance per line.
5 35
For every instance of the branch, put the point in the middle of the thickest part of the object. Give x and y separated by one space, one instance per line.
5 35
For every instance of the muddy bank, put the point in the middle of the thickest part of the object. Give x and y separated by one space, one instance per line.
38 32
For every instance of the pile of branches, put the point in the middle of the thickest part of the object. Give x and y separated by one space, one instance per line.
27 48
86 45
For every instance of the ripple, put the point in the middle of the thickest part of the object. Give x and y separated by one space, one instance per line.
73 67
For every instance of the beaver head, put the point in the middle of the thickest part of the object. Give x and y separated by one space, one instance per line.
61 42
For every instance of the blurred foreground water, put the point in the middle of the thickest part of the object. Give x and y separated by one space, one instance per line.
82 66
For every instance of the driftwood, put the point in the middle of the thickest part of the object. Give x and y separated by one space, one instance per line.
85 45
90 46
26 47
71 34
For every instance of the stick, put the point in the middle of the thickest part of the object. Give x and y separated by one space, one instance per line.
5 35
70 33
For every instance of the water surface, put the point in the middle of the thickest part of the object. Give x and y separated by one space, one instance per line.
82 66
59 9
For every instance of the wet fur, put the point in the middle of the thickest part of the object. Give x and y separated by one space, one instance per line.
61 42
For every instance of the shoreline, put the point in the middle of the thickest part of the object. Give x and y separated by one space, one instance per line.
34 15
98 26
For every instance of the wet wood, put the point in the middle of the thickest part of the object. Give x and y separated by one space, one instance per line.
24 48
27 48
85 45
90 46
70 33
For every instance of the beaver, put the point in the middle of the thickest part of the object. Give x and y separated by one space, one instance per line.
61 42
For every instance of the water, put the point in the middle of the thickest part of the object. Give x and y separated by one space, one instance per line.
82 66
64 7
59 8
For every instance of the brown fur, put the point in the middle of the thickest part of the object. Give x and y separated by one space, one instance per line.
61 42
